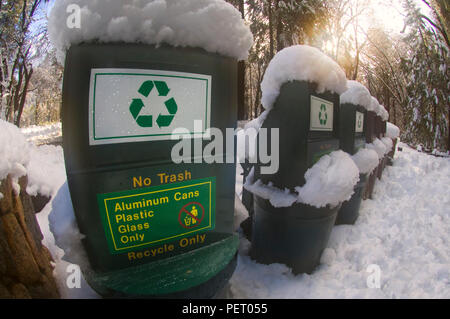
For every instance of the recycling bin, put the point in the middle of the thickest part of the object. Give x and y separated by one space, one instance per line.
352 139
370 134
152 228
392 132
247 201
380 133
308 129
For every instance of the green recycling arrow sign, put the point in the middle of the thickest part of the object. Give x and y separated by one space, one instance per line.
321 118
137 105
132 105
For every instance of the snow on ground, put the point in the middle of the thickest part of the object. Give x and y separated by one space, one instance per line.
404 231
43 134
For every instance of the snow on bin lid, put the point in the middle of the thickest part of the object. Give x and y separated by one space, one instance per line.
385 115
392 131
374 106
213 25
378 147
382 113
366 160
301 63
388 143
357 94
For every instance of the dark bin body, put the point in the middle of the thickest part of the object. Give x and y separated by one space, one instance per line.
93 170
296 235
300 148
351 141
380 126
390 160
370 133
349 211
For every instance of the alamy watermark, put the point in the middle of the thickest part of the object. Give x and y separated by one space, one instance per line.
221 149
373 281
73 279
74 18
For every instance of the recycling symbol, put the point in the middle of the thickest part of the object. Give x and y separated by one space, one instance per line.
323 116
137 105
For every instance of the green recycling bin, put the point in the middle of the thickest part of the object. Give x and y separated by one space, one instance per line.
352 138
152 228
392 132
308 129
380 130
371 135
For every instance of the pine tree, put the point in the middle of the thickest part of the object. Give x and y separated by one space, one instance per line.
428 85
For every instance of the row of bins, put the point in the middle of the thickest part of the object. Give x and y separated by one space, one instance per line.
297 234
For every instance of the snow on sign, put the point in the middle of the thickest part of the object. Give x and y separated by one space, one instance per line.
129 105
321 115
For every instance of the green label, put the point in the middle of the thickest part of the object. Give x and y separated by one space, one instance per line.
150 216
321 117
359 122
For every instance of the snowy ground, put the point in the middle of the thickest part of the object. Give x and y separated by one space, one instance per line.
404 231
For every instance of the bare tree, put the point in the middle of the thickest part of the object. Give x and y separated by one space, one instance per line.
16 51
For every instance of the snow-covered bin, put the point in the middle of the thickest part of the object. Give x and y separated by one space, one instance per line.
372 129
141 77
295 208
381 119
354 105
392 132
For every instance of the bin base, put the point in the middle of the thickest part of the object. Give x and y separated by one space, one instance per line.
295 235
349 212
199 274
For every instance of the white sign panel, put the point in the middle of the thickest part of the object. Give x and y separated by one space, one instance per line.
321 114
129 105
359 125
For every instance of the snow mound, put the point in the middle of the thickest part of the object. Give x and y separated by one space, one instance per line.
366 160
392 131
388 143
276 196
213 25
357 94
382 113
330 181
16 161
378 146
374 105
14 153
301 63
404 230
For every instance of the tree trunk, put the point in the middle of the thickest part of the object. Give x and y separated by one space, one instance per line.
279 31
270 13
21 105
